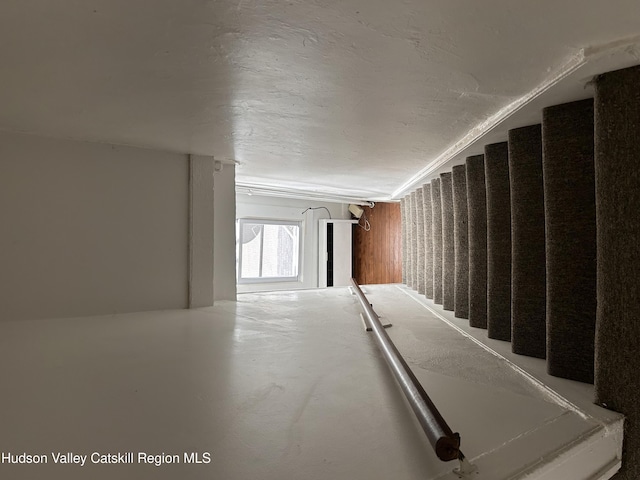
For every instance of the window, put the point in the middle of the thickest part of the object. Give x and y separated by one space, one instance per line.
269 251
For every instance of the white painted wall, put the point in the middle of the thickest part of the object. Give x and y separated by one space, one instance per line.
90 228
254 206
224 245
201 234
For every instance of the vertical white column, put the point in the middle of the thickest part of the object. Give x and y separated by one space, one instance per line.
224 246
201 231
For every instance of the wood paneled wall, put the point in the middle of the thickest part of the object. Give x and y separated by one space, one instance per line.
377 253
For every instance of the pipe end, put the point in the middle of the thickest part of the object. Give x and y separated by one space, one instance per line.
448 448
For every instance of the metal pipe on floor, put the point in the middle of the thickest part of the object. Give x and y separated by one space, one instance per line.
445 443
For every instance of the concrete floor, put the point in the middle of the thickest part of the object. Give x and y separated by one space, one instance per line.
274 386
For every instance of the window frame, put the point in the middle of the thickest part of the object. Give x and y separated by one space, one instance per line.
270 221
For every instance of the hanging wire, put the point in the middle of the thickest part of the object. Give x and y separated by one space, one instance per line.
317 208
366 225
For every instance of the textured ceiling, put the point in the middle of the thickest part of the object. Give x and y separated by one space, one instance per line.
350 97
